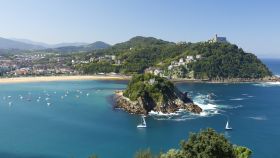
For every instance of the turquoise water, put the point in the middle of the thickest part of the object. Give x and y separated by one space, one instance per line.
84 122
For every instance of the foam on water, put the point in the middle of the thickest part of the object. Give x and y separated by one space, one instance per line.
267 84
259 118
235 107
236 99
208 105
152 113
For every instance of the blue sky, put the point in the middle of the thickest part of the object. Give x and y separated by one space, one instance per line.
254 25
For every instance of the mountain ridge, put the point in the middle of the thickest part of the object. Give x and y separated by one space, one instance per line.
26 44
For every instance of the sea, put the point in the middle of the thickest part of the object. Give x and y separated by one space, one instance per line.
76 119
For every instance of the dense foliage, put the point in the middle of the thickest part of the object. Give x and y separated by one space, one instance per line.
148 85
224 60
220 60
205 144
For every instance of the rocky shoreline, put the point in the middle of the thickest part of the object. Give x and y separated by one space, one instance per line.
228 80
144 105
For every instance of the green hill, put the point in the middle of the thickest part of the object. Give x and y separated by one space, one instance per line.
218 60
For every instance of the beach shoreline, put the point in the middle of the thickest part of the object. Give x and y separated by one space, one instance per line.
119 77
62 78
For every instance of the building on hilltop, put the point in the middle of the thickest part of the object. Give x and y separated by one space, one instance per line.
217 39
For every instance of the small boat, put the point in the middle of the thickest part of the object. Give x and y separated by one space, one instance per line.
227 126
143 124
49 104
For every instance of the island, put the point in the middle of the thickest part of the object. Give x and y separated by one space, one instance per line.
148 92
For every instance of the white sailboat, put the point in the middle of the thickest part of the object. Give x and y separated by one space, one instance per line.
227 126
143 124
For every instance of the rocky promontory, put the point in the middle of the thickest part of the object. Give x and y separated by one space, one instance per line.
147 92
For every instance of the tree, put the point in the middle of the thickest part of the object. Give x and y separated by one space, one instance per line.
208 144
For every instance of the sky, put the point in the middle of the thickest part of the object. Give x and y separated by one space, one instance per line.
253 25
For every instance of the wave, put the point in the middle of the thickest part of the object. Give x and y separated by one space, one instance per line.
208 105
154 113
180 115
259 118
232 107
236 99
267 84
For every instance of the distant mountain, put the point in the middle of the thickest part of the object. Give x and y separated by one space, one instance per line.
27 41
75 44
84 48
45 45
12 44
98 45
25 44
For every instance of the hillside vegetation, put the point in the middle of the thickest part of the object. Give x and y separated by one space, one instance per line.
147 92
219 60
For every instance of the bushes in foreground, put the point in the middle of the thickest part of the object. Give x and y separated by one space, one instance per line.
205 144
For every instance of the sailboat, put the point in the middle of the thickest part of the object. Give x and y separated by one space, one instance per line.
227 126
143 124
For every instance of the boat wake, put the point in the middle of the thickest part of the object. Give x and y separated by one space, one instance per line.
259 118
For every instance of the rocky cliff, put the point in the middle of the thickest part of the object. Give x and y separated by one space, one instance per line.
147 92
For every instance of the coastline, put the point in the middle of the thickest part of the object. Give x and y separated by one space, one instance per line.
233 80
124 77
62 78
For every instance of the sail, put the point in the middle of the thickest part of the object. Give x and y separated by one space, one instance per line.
144 122
227 125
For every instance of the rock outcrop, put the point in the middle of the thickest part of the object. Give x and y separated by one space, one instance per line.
147 92
143 105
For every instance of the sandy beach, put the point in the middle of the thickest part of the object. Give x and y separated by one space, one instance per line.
62 78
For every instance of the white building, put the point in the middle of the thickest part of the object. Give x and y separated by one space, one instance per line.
170 67
217 39
189 57
157 72
198 56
